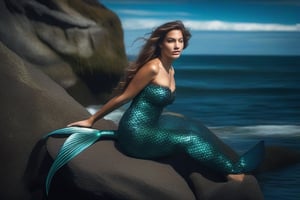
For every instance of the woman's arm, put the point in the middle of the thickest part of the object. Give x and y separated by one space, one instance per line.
142 78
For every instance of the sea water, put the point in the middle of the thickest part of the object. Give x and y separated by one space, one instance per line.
244 99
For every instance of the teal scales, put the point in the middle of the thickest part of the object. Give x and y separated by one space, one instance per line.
146 132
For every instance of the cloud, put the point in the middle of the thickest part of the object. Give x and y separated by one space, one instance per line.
132 12
214 25
147 2
275 2
238 26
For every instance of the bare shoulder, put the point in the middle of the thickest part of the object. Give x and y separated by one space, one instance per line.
152 67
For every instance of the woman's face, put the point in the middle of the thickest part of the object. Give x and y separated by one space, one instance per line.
172 45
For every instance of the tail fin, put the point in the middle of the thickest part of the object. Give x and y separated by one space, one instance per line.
80 138
252 158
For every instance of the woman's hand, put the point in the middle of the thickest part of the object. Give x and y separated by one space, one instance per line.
83 123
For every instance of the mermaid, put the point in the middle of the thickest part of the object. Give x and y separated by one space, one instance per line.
144 131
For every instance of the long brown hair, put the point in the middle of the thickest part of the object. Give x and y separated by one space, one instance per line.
151 49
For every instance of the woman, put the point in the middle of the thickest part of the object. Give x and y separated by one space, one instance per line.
143 132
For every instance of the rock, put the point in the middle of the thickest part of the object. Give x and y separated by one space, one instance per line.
210 190
79 44
103 172
277 157
31 106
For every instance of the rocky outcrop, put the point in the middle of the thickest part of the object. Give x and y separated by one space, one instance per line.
79 44
31 105
103 172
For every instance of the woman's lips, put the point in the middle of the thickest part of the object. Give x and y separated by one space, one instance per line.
176 52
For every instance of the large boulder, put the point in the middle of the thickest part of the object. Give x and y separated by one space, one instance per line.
104 172
79 44
31 105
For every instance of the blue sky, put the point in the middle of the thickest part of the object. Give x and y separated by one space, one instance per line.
247 27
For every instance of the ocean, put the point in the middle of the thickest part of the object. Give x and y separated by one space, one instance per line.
244 99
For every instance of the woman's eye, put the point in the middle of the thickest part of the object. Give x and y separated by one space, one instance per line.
174 40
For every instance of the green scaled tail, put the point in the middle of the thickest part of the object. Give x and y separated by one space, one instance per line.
80 138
